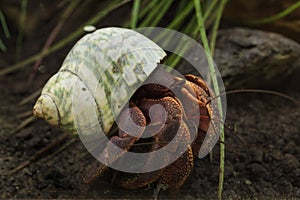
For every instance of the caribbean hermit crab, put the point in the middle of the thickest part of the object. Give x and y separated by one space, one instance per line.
113 75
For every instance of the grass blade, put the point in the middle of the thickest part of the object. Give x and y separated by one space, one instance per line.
4 25
156 15
148 8
275 17
203 35
135 13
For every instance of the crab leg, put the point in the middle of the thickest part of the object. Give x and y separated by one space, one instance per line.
174 175
145 179
124 140
182 167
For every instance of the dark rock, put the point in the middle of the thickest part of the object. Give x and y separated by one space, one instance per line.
253 58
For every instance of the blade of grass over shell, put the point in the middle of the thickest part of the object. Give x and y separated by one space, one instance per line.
203 35
174 59
135 13
275 17
154 17
179 19
71 37
21 28
176 24
162 12
150 5
145 7
190 29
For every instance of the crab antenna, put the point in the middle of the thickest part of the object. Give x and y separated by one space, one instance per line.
295 101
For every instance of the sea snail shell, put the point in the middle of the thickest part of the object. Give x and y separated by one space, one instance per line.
105 61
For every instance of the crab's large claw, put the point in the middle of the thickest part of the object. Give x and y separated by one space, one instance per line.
174 175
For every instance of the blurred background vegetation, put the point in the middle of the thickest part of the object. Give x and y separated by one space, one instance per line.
35 29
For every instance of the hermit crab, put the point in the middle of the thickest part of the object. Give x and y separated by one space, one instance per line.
112 76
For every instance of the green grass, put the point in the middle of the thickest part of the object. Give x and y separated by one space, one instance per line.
135 13
208 49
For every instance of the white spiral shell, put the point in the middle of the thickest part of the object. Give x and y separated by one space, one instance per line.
108 61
